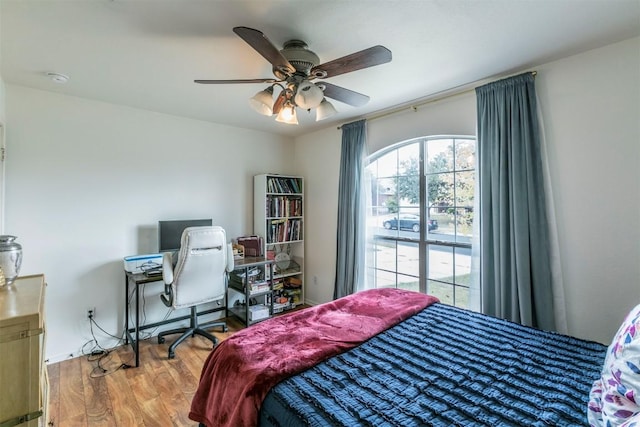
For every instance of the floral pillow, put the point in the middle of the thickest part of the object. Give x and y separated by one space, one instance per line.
615 397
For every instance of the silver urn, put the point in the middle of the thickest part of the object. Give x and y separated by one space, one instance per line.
10 259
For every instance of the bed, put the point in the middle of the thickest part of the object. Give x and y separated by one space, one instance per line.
403 360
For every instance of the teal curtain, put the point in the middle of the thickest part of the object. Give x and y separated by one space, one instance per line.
351 210
515 266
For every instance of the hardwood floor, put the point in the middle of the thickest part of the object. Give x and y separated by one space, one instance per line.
86 391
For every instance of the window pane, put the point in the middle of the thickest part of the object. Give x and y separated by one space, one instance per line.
385 255
409 283
433 225
373 247
464 188
372 168
374 221
409 190
465 154
461 297
443 291
464 225
387 188
408 259
388 164
387 197
439 156
408 158
385 279
462 266
445 223
440 192
440 263
406 224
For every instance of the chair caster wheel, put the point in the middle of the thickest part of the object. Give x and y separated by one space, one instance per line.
225 329
160 340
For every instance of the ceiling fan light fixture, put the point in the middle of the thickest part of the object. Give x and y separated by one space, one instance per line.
294 66
308 95
262 101
324 110
287 115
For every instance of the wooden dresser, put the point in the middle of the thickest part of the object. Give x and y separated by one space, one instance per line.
23 374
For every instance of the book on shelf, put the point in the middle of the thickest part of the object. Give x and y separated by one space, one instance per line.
283 206
278 284
283 185
284 230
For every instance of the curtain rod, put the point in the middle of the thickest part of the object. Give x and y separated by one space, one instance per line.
437 96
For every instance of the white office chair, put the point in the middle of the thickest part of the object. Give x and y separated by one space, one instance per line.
198 277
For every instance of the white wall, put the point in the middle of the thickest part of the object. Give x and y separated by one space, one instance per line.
2 135
2 144
88 181
591 107
318 160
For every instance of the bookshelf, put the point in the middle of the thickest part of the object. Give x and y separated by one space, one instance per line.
279 219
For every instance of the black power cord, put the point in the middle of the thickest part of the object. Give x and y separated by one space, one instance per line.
99 354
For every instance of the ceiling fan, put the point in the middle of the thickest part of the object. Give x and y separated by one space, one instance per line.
294 68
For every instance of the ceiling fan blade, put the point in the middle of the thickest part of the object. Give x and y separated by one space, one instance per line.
375 55
344 95
257 40
216 82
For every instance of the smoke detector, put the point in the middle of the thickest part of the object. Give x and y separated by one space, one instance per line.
58 78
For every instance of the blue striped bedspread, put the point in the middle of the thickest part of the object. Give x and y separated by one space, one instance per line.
445 367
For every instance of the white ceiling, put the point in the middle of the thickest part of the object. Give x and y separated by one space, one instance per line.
146 54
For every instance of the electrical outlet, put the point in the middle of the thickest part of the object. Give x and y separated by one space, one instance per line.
91 312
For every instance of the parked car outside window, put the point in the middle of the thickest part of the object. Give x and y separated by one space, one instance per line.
408 222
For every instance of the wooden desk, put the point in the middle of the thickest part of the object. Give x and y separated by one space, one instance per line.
132 332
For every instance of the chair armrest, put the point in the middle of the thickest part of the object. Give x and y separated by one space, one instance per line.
230 263
167 277
167 268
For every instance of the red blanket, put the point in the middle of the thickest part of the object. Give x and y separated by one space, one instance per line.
241 370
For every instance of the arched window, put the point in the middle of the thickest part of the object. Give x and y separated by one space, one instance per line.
420 217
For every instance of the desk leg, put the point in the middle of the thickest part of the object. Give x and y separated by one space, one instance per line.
137 325
126 309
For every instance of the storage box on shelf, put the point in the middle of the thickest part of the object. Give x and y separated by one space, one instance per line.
238 251
251 282
279 219
258 312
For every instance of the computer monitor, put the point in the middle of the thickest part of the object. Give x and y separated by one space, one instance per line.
170 232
